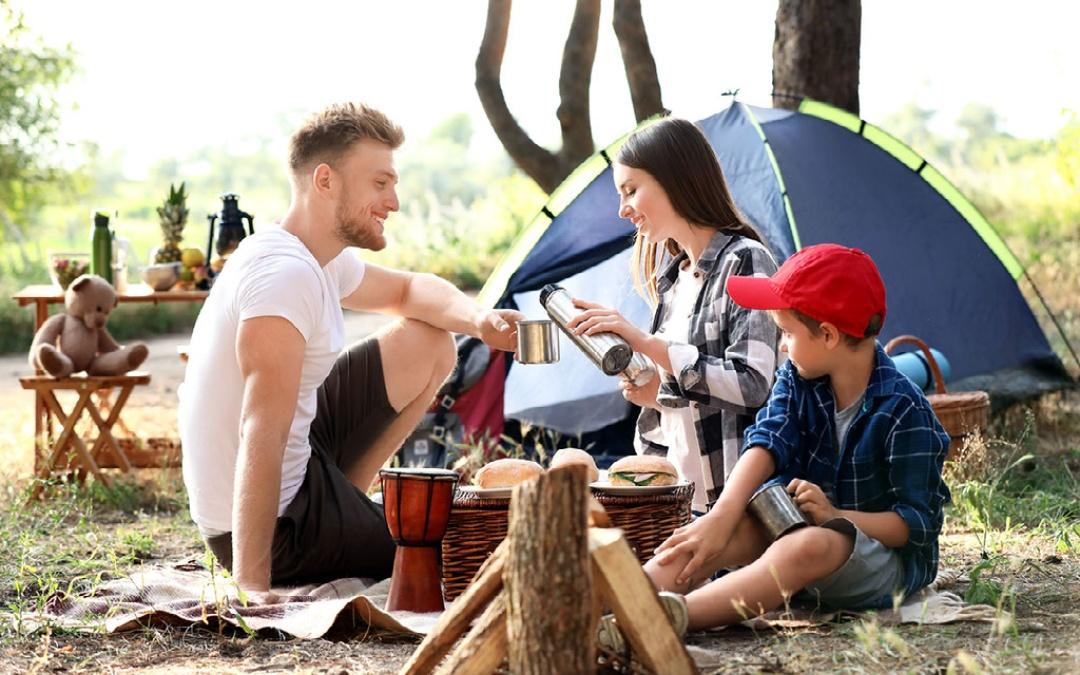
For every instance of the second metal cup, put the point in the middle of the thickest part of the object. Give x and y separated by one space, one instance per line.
777 511
537 341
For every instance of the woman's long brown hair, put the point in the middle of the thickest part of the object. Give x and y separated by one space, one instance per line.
677 154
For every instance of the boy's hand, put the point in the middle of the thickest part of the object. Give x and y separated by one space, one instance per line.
701 540
812 501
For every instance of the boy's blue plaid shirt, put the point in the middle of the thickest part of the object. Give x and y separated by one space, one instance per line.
891 459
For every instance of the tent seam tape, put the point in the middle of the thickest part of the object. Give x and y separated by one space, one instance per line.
963 206
779 177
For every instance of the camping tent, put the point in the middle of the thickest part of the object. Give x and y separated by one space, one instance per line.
816 175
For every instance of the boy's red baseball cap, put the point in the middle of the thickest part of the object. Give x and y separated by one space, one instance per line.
826 282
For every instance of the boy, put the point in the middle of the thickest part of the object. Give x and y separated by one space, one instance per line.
855 442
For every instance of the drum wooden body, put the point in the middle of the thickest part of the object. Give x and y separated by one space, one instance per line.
417 507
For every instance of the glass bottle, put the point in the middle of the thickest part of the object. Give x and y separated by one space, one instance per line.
101 247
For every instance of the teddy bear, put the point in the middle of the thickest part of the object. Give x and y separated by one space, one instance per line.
77 340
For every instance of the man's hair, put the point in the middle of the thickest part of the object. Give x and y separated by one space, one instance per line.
329 134
814 326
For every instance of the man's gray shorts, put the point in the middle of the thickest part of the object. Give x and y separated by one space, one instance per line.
331 529
872 570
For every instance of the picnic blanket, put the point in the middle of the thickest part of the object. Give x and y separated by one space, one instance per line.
188 593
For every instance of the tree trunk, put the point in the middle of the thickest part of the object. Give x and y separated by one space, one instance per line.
816 53
548 169
637 59
550 618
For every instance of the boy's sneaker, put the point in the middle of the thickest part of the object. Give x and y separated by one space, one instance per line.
610 637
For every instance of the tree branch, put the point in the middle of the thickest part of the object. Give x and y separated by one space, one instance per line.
539 163
637 59
574 80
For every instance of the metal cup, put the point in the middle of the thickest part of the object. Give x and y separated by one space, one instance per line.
537 342
776 510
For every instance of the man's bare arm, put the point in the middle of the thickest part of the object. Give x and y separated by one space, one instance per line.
432 300
270 352
414 295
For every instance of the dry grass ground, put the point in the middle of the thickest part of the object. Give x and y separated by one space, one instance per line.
1013 532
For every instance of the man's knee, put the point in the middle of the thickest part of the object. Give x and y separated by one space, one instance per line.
433 343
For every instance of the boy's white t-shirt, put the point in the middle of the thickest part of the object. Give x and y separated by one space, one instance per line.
271 273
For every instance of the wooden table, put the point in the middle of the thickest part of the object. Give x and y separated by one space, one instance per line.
43 295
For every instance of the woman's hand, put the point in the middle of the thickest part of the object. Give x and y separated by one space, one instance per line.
812 501
643 396
701 540
599 319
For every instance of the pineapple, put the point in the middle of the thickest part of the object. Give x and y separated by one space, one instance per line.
173 214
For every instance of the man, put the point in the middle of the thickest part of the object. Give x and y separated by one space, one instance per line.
282 431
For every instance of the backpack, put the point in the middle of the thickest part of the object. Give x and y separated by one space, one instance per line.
467 410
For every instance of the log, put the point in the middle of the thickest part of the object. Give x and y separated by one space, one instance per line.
484 648
454 621
633 599
550 615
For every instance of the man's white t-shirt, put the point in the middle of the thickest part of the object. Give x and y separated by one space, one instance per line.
271 273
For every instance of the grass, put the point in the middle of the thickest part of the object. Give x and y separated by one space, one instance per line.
1013 531
1014 493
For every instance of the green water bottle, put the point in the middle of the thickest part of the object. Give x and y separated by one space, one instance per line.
101 247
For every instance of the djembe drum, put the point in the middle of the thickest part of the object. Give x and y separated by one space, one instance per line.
417 507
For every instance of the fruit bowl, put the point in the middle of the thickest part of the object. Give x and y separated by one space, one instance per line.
65 267
160 277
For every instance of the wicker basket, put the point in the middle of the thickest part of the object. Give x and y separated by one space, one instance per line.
961 412
478 525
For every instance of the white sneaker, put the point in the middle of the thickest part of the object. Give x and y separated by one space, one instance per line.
609 636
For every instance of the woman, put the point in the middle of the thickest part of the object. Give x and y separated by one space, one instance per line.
716 359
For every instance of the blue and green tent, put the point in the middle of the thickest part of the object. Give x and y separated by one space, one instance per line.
818 174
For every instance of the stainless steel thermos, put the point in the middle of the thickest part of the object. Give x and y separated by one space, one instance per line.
608 351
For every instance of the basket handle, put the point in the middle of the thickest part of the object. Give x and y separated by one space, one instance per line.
939 381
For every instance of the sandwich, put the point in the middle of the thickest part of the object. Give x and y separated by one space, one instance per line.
642 470
568 456
507 473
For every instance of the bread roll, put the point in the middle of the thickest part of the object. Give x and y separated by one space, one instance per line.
643 470
576 456
507 473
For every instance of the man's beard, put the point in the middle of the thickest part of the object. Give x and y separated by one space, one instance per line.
352 231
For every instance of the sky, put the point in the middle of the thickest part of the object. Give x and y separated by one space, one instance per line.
160 79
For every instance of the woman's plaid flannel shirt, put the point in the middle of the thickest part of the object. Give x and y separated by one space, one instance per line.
726 371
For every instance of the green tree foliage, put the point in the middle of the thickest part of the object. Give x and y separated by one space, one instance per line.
1068 151
1024 186
441 164
30 76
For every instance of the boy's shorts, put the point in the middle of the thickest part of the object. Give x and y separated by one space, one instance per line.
873 570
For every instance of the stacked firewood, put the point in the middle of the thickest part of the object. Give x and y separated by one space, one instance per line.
534 605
